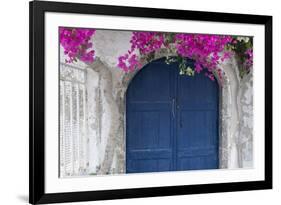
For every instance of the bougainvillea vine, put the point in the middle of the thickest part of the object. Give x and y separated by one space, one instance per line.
77 44
143 42
206 50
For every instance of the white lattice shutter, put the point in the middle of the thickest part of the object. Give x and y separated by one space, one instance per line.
73 121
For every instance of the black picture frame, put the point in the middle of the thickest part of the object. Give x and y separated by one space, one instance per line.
37 193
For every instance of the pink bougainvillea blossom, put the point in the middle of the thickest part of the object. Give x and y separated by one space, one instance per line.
76 44
198 67
128 62
249 58
146 42
206 50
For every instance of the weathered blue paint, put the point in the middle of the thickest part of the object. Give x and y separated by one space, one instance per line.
171 120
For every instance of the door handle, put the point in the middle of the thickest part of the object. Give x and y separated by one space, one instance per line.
173 108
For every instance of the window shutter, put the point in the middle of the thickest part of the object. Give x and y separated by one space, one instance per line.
73 121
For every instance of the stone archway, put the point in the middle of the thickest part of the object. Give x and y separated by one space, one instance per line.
113 89
228 126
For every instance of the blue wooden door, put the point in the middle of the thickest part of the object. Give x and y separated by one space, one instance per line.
171 121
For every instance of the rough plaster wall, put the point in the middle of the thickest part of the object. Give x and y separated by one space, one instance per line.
230 120
224 125
94 119
109 45
236 118
107 84
245 104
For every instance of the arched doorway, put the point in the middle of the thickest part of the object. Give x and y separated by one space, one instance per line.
171 120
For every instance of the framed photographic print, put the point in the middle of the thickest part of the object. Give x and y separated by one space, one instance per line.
141 102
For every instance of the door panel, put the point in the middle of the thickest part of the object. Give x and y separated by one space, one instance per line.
171 121
197 126
149 123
